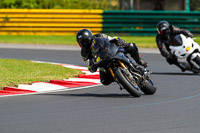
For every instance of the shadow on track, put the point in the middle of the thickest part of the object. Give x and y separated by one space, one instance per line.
175 73
93 95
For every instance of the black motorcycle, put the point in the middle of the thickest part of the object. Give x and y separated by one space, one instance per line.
124 71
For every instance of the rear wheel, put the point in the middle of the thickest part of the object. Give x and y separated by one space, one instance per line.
127 83
148 87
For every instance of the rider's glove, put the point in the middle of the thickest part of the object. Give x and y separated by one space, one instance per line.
170 59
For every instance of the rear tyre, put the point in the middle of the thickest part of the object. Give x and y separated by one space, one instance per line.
130 86
148 88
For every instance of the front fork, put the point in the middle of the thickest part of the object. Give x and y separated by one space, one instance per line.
128 74
121 64
112 73
192 60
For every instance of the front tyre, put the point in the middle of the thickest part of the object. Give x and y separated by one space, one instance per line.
197 61
129 85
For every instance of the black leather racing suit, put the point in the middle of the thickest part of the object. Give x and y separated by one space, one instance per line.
163 44
130 48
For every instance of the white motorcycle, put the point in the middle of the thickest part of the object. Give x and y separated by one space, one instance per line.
187 52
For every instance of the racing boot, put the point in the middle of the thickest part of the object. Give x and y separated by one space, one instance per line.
141 62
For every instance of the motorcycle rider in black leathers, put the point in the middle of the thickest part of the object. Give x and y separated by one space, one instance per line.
163 40
88 42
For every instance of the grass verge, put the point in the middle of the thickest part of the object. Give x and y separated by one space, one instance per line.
29 39
141 41
14 72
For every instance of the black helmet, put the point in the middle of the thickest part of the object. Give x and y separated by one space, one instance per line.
84 38
163 28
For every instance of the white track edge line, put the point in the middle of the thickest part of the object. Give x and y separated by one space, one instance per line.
67 89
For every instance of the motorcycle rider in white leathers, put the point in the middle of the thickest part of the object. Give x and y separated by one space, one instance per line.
163 40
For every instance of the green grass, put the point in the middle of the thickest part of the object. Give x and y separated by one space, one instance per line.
141 41
25 39
147 41
14 72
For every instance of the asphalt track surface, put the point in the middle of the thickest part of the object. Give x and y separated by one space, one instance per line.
175 108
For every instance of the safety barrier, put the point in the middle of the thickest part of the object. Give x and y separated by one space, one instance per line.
48 21
69 21
144 22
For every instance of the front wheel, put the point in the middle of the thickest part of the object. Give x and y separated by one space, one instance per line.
197 61
127 83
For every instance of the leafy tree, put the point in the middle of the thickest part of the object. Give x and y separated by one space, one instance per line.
195 5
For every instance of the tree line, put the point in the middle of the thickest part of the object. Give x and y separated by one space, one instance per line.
60 4
72 4
195 5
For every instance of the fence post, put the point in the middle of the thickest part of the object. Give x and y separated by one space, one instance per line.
188 5
131 4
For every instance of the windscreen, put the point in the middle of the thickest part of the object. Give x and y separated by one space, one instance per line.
176 41
109 50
